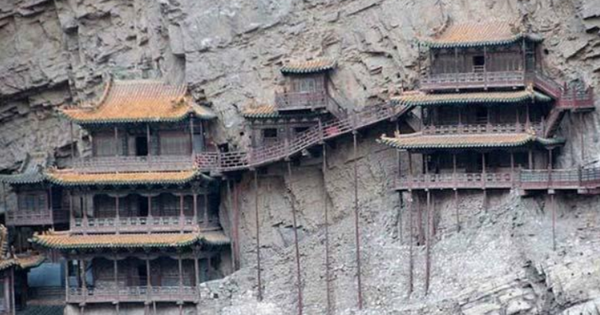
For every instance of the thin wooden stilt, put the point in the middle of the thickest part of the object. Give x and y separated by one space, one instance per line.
553 205
326 212
295 226
259 296
428 244
456 207
356 223
410 243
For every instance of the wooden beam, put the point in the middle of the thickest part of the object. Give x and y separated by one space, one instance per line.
326 219
410 243
428 244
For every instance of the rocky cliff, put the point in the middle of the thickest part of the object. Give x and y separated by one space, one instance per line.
501 262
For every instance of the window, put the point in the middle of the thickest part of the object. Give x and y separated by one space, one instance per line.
478 63
270 133
104 146
141 146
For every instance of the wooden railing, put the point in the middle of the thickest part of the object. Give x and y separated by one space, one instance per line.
576 99
566 179
232 161
134 163
133 294
143 224
301 100
463 80
22 217
482 128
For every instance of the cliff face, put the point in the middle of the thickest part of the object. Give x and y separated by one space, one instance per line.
57 52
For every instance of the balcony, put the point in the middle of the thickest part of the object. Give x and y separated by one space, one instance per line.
458 181
22 217
473 80
133 163
583 179
482 128
301 100
133 294
144 224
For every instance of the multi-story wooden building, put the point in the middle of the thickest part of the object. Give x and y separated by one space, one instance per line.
488 110
144 223
490 120
306 98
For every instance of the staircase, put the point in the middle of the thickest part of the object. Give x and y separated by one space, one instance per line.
219 162
566 99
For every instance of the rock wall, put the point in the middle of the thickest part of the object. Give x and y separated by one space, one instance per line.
58 52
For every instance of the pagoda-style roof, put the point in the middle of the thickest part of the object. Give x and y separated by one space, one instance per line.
308 67
73 178
66 241
29 260
491 33
419 141
30 171
509 97
137 101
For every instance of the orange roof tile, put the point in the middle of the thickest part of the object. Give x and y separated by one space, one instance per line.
30 260
259 111
139 101
310 66
478 34
73 178
423 99
63 240
457 141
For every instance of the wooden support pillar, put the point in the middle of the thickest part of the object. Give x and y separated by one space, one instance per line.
530 158
197 270
236 223
192 148
259 296
420 231
428 244
550 167
180 271
485 79
66 266
82 277
72 142
456 66
195 205
149 280
326 219
454 170
116 131
356 220
297 248
71 210
116 271
410 243
456 207
50 206
483 170
230 216
181 213
148 140
527 117
512 167
206 207
117 215
581 130
553 205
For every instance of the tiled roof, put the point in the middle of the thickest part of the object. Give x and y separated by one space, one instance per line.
139 101
64 241
30 260
423 99
307 67
478 34
72 178
463 141
30 171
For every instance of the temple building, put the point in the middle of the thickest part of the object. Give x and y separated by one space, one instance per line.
306 98
143 221
490 120
36 206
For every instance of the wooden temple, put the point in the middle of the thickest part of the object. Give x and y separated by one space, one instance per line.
490 122
143 221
